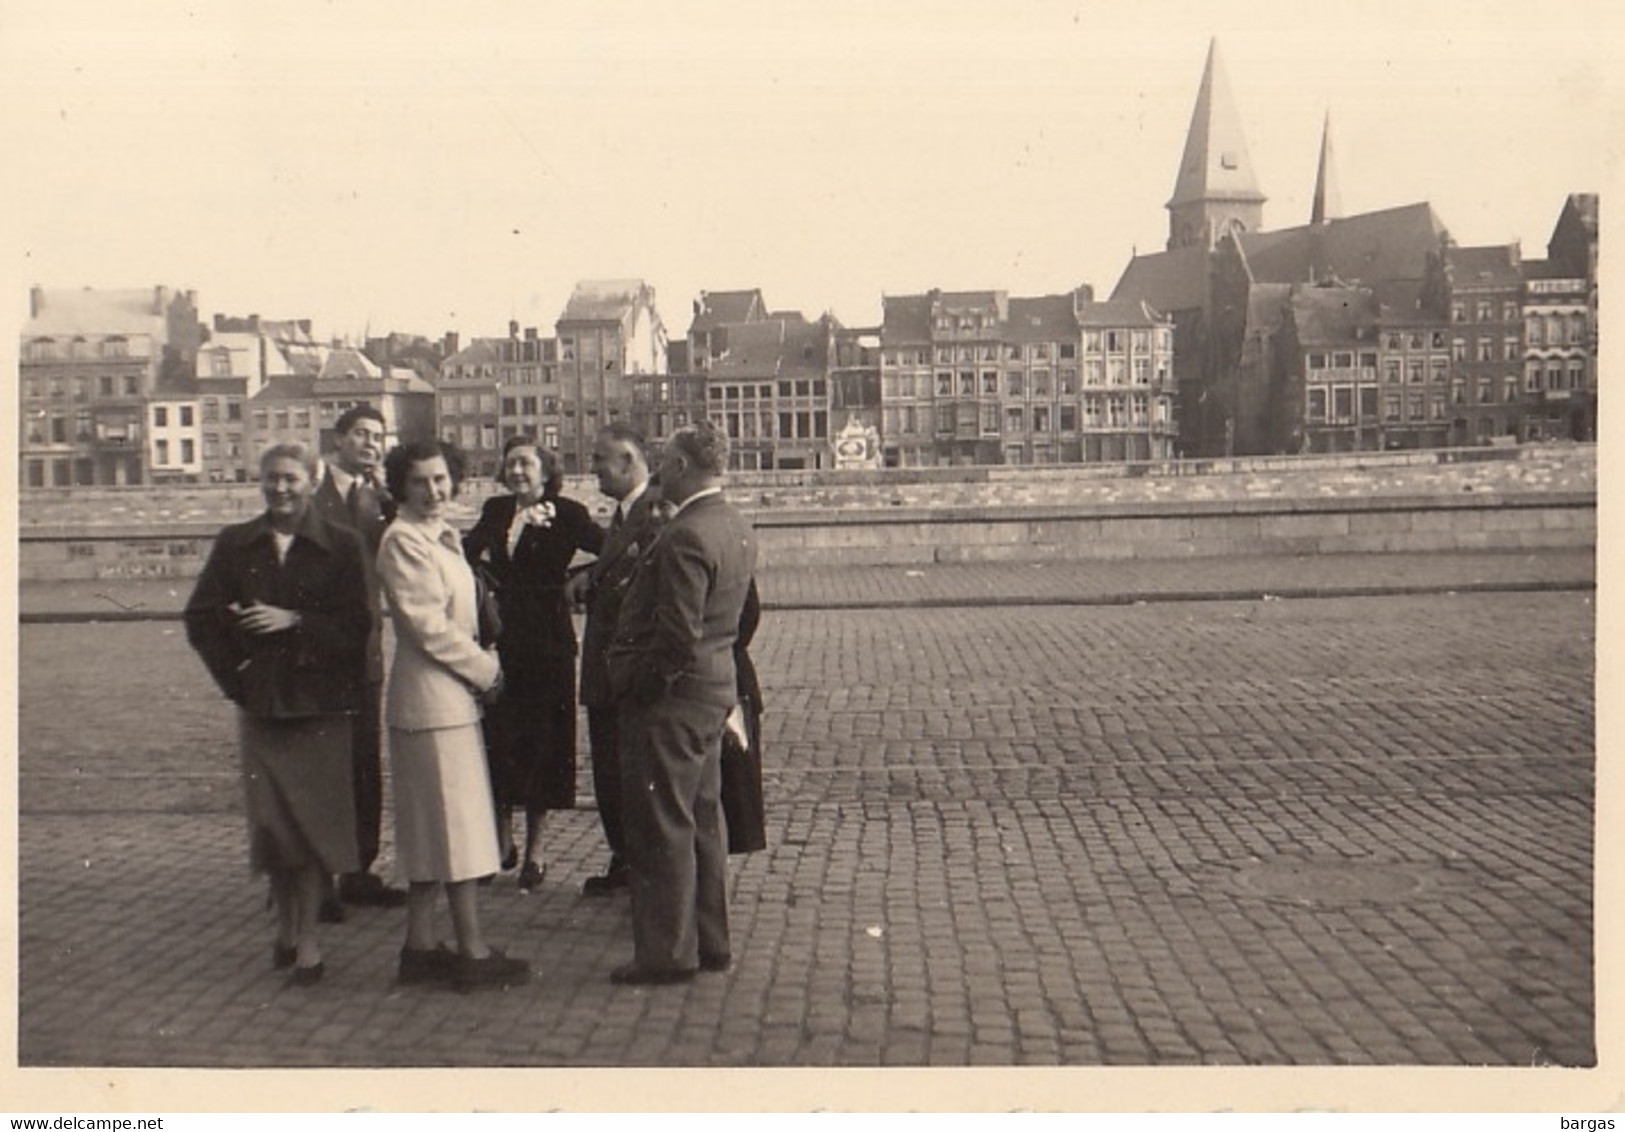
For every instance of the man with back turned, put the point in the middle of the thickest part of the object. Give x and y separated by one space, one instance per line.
672 674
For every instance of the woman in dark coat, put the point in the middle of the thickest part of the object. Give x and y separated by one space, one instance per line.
280 618
742 802
523 544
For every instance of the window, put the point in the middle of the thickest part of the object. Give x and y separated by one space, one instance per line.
945 419
186 416
990 420
1342 404
1413 369
1486 349
1368 403
1509 388
1093 372
1114 410
1014 383
1068 350
1139 408
1509 311
104 385
1554 376
1458 349
1390 407
1440 369
234 410
1535 331
188 452
945 383
59 429
990 383
1115 340
1091 341
1486 310
967 383
1015 420
1041 386
1458 391
1069 381
281 417
132 385
1486 390
1091 412
510 407
1577 374
160 416
1142 371
1531 378
1390 370
1436 340
1041 418
1068 418
160 449
1458 310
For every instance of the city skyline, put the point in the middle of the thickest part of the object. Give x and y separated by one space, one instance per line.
377 170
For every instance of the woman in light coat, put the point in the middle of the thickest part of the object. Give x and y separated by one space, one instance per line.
445 832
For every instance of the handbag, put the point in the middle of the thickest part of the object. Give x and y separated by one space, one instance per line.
488 610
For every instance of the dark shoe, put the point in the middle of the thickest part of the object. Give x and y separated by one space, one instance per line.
493 970
632 975
510 859
530 877
426 965
332 912
609 883
715 962
369 890
283 956
308 976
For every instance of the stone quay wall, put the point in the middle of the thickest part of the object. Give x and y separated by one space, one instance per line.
1514 498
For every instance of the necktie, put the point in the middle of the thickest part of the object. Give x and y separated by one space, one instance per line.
617 520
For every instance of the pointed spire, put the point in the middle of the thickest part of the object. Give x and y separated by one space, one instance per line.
1217 187
1328 203
1216 162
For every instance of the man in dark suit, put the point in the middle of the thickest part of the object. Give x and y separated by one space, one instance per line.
620 462
352 494
672 673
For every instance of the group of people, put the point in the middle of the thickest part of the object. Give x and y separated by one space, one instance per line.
481 696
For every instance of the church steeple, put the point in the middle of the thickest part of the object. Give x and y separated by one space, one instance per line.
1217 189
1328 204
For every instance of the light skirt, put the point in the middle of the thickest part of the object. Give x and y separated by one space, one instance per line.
445 823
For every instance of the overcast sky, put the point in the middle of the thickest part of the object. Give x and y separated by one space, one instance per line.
428 166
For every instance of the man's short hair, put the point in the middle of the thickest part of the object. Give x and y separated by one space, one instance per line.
354 413
625 434
704 444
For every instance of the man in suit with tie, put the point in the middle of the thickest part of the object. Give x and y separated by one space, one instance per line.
352 494
620 462
672 673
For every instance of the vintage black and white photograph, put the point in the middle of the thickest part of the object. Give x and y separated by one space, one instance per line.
1053 538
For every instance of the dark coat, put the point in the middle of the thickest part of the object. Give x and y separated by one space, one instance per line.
680 616
536 620
531 730
374 515
312 669
607 580
743 802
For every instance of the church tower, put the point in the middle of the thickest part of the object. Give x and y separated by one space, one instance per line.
1217 190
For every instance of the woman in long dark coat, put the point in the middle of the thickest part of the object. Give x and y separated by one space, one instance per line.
742 803
523 543
280 618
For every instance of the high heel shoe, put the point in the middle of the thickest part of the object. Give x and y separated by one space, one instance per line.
530 877
510 859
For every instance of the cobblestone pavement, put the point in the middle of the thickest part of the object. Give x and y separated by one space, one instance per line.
1347 831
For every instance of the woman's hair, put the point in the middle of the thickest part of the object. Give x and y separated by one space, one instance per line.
292 450
398 463
552 473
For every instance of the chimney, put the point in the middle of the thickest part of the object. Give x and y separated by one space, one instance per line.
530 334
451 343
36 301
513 328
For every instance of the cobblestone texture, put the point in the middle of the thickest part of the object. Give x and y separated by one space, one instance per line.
1351 831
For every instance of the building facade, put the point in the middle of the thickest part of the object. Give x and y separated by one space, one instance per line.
89 362
981 378
608 336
